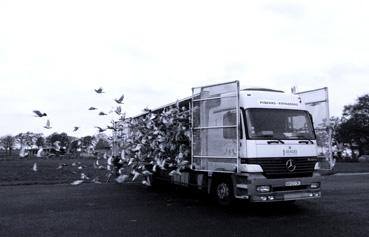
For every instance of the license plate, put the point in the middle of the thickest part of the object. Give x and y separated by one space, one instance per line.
290 196
293 183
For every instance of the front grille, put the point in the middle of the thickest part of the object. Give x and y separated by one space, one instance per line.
289 188
275 167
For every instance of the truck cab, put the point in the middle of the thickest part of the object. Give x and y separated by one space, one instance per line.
278 150
256 144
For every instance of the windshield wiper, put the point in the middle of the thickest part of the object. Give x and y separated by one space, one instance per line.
277 141
271 137
305 140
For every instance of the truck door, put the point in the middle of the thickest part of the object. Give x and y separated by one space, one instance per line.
317 103
215 127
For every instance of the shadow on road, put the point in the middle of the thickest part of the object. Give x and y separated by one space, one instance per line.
191 197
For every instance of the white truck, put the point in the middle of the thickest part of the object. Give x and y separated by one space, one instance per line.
255 144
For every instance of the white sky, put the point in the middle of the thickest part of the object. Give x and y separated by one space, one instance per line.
54 53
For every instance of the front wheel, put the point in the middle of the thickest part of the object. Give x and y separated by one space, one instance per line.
223 193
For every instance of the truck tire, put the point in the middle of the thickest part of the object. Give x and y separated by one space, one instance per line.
222 192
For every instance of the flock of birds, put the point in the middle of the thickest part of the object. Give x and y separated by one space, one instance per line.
155 141
118 111
57 147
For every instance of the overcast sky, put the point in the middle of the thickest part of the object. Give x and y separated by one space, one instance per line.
54 53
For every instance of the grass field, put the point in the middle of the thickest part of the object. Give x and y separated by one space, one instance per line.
14 170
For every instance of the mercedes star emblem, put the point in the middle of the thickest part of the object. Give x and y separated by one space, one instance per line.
290 165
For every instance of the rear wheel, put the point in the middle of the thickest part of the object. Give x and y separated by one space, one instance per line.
223 193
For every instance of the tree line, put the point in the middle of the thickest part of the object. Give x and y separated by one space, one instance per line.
37 140
352 129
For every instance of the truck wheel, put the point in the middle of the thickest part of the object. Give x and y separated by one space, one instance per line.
223 193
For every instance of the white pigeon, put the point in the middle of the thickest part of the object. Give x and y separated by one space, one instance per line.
135 175
22 152
96 180
121 178
57 145
146 172
47 126
77 182
39 152
161 163
34 168
131 161
174 172
146 182
110 160
84 176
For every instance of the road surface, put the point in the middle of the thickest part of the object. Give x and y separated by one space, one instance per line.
134 210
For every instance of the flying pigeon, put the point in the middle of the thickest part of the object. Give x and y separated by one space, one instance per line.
101 129
92 108
39 114
22 152
99 91
75 129
102 113
57 145
47 126
135 175
119 101
34 168
39 152
77 182
118 110
146 172
146 109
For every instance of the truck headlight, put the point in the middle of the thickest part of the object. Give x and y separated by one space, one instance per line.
315 185
263 189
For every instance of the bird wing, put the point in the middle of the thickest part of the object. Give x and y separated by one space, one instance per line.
37 112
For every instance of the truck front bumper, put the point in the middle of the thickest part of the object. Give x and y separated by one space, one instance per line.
280 189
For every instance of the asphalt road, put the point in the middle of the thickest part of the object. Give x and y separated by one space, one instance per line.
134 210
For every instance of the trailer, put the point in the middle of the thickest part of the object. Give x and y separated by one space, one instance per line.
255 144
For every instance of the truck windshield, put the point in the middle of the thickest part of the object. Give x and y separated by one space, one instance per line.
266 124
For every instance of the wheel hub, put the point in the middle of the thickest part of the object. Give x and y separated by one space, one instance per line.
223 191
